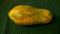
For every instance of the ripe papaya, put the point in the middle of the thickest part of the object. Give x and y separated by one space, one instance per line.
28 15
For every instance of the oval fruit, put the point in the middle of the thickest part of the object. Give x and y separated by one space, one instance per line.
28 15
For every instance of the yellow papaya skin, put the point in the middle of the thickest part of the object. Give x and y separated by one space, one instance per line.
28 15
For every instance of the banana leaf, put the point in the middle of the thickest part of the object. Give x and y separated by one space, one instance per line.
7 26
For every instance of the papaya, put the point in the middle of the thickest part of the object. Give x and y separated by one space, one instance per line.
28 15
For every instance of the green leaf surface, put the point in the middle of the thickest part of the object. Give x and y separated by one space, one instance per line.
7 26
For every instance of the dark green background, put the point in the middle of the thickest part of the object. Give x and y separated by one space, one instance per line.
9 27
